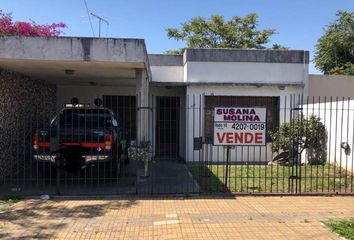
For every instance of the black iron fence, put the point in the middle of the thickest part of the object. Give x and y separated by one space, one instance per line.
94 150
308 150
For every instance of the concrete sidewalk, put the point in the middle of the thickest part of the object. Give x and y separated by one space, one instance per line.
175 218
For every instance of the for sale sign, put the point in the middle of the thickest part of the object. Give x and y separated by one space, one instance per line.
235 126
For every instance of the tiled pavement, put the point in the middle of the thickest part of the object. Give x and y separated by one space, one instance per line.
175 218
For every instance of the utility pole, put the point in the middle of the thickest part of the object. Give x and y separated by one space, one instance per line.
100 20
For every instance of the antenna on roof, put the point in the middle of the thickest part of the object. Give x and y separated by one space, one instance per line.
100 20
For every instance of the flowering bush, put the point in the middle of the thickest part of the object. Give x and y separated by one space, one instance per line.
10 28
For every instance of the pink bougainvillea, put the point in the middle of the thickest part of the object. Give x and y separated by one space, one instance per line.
10 28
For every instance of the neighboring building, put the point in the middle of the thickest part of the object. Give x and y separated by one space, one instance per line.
328 86
180 89
331 98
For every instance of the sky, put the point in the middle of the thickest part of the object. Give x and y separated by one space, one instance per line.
299 23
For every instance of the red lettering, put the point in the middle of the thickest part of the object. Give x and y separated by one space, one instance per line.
238 137
229 137
220 139
258 137
248 137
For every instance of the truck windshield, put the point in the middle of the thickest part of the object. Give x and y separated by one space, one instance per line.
85 118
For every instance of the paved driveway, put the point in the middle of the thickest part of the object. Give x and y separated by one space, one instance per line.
170 177
175 218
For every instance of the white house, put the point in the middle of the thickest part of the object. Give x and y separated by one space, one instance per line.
164 99
206 78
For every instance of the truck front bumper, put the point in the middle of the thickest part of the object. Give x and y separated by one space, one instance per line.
88 158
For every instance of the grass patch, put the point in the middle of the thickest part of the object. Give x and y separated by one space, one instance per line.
11 201
344 228
263 178
6 204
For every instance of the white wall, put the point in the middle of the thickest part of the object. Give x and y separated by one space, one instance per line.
167 73
246 72
338 118
233 72
87 94
195 116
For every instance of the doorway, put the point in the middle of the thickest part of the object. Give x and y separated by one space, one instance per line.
167 126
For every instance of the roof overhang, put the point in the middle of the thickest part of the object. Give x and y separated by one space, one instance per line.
106 61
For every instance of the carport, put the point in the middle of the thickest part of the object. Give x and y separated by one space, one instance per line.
83 67
114 70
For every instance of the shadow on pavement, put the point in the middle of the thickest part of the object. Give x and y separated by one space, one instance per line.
34 219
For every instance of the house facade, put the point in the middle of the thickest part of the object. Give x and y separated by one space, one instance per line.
164 99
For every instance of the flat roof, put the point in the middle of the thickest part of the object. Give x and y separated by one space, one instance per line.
230 55
73 49
48 57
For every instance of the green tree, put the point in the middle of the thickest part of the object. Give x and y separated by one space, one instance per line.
335 49
217 33
291 139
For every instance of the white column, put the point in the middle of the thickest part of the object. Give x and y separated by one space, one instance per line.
142 102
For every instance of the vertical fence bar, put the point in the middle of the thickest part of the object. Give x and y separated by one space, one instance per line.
298 154
37 164
17 154
200 127
218 153
285 110
352 165
318 136
235 170
176 145
50 151
32 132
299 172
271 166
340 153
317 132
248 156
347 141
193 136
326 160
259 167
329 146
210 167
335 146
24 146
292 146
153 145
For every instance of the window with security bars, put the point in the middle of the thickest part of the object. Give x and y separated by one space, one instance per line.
271 103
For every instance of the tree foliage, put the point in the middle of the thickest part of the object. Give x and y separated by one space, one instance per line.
215 32
10 28
300 134
335 49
